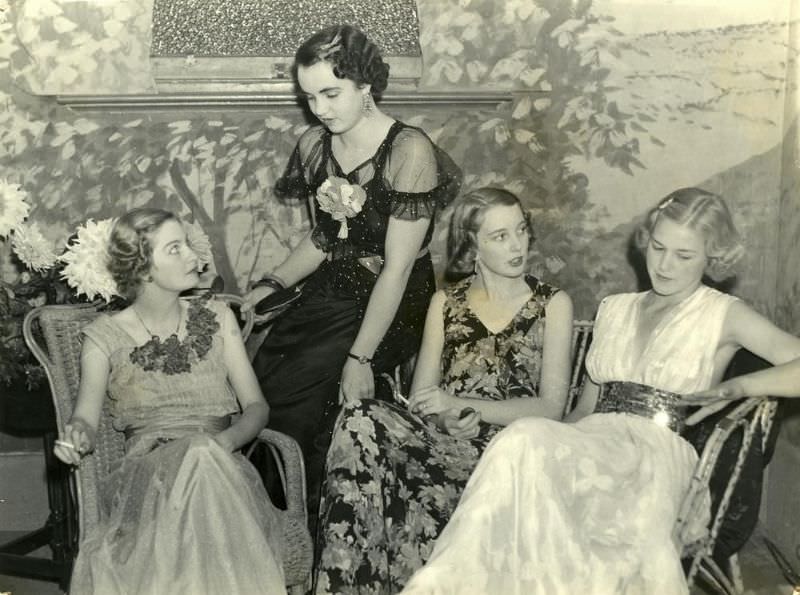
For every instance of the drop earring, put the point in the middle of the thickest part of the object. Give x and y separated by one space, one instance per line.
366 104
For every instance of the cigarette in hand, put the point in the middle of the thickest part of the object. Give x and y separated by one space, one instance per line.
65 444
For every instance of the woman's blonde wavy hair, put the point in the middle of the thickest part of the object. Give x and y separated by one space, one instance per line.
707 213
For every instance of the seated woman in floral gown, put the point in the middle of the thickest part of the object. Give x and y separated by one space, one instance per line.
496 347
183 512
590 507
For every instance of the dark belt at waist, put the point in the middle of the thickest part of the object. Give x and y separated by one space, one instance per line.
371 262
660 406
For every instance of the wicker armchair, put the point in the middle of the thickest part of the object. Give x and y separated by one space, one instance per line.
745 429
53 334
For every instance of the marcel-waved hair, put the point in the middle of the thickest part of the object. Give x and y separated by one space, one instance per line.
707 213
130 253
468 217
351 54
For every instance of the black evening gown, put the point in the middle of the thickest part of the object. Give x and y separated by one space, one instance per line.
300 363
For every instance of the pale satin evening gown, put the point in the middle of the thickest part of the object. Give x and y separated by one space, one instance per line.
589 507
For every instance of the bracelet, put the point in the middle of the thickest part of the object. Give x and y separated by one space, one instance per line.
271 281
361 359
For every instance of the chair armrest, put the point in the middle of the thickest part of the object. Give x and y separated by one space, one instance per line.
725 427
289 459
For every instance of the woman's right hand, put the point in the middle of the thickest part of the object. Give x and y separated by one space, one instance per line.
253 297
76 440
466 426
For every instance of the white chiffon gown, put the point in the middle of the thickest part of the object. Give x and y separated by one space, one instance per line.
587 507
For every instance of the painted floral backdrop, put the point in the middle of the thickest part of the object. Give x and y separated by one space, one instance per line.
615 103
603 123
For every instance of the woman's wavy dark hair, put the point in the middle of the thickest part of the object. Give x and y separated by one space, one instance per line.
707 213
352 55
130 254
468 216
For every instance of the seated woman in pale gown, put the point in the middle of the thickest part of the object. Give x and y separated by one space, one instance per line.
590 506
182 512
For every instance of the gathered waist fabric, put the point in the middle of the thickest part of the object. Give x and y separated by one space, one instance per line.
164 430
660 406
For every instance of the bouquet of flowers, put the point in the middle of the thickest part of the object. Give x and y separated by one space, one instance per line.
29 277
342 200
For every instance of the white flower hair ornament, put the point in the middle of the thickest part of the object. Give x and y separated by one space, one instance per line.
86 261
199 243
342 200
13 208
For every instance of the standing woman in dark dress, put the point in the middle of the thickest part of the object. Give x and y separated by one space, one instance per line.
377 185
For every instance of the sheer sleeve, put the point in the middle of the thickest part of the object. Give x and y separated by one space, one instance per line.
419 176
303 163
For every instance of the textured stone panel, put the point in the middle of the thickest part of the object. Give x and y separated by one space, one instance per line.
276 27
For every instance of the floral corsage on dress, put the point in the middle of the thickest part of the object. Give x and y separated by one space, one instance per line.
341 200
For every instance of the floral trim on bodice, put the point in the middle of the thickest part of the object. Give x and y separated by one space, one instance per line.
494 366
176 356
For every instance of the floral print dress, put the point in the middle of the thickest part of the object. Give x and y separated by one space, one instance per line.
393 479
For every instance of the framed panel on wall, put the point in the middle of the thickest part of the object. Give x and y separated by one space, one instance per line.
249 45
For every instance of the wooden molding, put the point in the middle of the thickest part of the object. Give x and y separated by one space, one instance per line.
273 99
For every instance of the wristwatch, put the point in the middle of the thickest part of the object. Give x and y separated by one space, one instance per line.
361 359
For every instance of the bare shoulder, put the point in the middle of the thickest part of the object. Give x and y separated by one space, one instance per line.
560 302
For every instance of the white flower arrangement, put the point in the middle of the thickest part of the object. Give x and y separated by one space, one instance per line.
33 249
86 261
13 208
26 239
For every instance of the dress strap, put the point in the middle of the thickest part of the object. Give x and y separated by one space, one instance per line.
455 297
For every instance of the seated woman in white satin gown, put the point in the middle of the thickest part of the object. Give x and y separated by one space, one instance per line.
590 506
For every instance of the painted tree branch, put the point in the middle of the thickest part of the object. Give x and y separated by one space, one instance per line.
221 258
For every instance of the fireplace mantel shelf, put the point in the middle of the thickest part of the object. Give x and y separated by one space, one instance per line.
264 100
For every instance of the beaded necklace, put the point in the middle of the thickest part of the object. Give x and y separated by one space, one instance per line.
151 333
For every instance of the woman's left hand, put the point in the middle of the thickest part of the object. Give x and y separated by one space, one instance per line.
713 400
431 400
224 442
357 382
